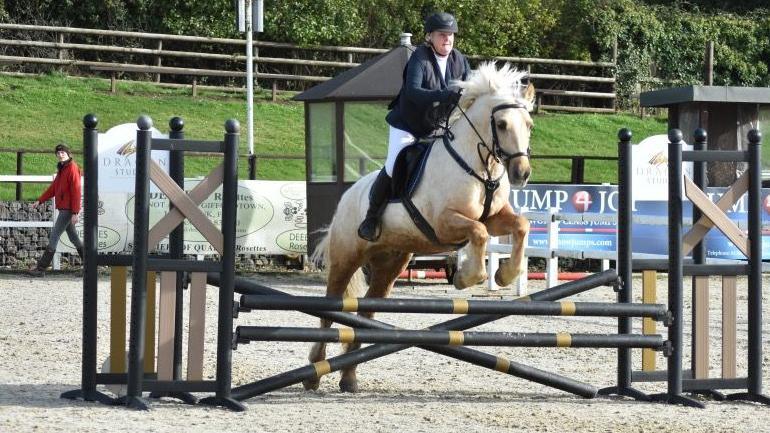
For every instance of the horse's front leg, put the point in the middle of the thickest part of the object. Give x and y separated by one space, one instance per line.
472 270
506 222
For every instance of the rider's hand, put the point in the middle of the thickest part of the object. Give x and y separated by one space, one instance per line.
452 96
74 219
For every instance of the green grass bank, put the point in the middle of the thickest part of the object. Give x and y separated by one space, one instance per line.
38 112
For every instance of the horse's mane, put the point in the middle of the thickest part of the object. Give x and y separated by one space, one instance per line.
504 83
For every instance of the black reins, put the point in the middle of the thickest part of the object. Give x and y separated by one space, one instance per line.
495 152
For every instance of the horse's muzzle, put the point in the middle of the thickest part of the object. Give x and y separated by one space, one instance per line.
519 171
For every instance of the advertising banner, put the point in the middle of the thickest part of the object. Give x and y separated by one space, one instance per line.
271 215
646 238
117 158
583 235
271 220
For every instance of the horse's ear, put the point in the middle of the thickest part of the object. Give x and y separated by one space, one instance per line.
529 96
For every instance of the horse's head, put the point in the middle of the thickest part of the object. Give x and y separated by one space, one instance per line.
498 95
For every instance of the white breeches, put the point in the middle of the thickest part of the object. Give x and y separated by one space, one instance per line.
397 140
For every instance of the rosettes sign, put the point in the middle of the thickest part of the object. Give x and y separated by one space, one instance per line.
271 215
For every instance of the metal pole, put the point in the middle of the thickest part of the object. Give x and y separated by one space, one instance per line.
87 389
754 391
19 172
227 276
708 77
249 77
624 265
139 265
90 250
755 263
675 276
699 252
176 242
675 264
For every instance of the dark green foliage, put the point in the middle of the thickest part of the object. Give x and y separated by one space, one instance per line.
657 39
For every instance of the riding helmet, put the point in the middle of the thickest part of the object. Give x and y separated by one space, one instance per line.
441 22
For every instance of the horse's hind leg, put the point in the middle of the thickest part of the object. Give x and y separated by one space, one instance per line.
340 273
384 269
504 223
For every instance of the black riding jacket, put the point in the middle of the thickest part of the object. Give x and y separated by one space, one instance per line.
424 90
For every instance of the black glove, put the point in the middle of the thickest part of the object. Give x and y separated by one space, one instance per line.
452 96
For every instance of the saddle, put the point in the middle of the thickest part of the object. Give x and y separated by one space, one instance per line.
408 169
407 174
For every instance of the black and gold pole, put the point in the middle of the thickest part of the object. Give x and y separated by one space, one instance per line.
451 338
453 306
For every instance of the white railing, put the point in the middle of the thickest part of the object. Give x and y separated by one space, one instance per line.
551 252
32 224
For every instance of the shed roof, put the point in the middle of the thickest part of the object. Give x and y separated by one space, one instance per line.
728 94
378 78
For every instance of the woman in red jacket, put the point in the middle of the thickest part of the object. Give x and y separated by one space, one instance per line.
65 189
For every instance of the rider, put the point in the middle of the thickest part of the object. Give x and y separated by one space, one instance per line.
422 100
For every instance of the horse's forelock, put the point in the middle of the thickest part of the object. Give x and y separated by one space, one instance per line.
503 84
489 80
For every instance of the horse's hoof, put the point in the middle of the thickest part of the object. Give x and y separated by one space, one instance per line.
311 384
458 282
499 279
482 278
349 385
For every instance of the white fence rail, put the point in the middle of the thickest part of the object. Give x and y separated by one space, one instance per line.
32 224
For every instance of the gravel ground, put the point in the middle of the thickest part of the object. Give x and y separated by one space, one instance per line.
412 391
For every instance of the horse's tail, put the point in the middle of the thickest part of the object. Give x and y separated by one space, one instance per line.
357 285
321 251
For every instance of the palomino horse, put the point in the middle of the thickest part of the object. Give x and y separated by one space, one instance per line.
490 131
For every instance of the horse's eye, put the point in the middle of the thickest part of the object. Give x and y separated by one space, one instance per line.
501 124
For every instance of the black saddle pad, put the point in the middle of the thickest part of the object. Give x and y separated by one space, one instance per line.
408 170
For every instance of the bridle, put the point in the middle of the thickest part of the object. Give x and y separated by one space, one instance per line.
495 152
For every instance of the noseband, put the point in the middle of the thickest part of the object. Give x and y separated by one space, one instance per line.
497 151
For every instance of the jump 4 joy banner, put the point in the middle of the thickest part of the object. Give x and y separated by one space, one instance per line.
650 197
602 236
271 215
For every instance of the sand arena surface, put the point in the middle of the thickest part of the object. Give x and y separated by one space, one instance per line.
410 391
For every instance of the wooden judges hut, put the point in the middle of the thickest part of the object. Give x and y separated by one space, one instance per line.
727 113
346 135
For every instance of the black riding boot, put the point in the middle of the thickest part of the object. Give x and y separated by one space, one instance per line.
378 201
80 252
42 264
